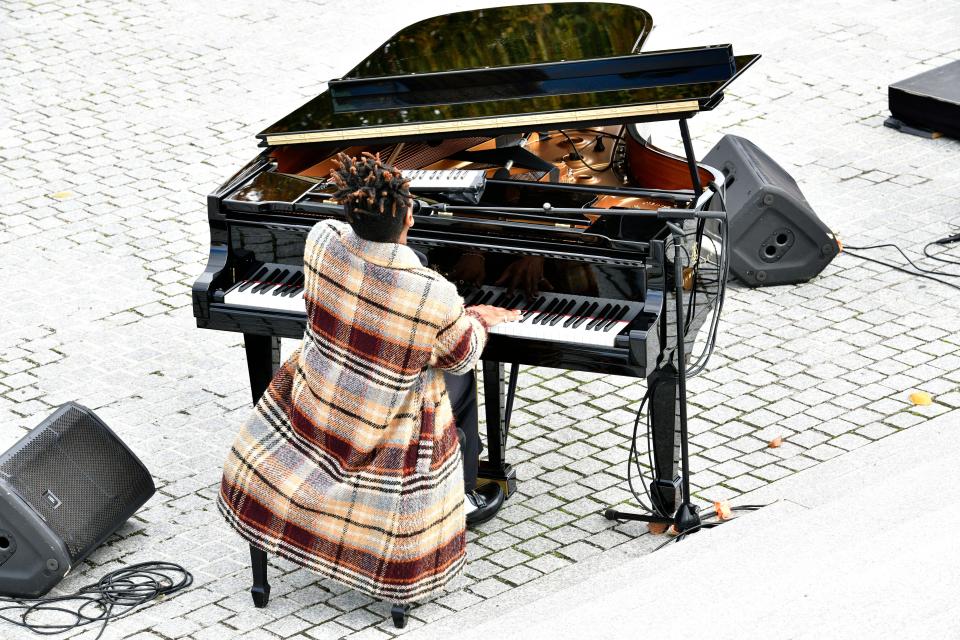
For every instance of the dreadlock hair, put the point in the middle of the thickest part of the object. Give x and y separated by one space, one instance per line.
375 197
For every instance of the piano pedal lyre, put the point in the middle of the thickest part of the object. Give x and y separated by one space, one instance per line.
505 476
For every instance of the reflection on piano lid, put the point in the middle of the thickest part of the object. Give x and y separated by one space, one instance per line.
513 61
519 34
683 67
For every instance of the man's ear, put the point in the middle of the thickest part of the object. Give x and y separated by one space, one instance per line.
409 221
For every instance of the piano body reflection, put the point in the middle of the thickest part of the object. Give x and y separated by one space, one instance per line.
518 127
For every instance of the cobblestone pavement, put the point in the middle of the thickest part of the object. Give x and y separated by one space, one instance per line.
118 118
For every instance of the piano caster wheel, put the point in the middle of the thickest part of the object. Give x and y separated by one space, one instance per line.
399 613
261 596
261 588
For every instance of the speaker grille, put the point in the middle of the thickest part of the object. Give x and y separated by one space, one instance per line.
76 473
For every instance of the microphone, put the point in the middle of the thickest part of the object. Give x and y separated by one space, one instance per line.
424 208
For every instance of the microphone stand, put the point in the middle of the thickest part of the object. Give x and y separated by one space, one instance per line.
687 516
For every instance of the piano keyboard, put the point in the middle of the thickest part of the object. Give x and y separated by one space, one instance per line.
558 317
553 317
273 287
444 179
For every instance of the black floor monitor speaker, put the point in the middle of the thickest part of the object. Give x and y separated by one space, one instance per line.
64 489
929 101
775 237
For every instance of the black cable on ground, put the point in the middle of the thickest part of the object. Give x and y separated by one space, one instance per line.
114 595
941 242
920 273
913 264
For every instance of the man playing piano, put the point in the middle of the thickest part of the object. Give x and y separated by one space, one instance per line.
360 460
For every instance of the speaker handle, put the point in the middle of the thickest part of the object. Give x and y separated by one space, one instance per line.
34 552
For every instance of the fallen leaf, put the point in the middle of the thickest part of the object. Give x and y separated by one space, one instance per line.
724 512
657 528
62 195
921 398
776 442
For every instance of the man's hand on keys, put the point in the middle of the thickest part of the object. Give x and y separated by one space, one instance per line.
491 315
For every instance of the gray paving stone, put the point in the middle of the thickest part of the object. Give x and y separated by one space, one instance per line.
520 575
489 587
548 563
771 472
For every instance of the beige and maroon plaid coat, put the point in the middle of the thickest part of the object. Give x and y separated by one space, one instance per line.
350 463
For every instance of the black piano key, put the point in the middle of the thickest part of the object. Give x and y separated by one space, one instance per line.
546 311
605 318
296 283
615 319
515 301
284 283
567 308
486 296
254 280
599 317
586 315
267 281
275 281
545 317
476 295
500 299
531 308
578 313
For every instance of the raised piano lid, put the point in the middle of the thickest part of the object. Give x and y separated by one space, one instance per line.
545 41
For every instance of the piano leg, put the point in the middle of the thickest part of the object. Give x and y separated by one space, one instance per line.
665 432
261 588
498 406
263 360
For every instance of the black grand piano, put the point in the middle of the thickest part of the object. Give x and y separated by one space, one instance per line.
519 128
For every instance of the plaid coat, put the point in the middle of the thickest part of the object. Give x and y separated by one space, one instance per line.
350 464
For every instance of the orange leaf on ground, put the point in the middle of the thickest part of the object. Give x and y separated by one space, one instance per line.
724 512
921 398
776 442
657 528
